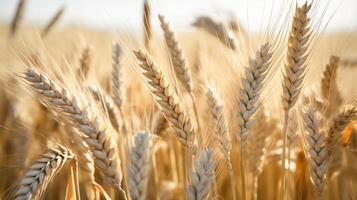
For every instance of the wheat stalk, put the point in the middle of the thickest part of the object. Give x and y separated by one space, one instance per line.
139 168
55 19
41 172
95 132
316 148
203 176
294 68
20 10
167 100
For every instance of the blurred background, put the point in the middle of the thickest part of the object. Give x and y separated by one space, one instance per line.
127 14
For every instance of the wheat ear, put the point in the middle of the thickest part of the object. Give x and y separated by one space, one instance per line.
116 81
178 60
294 68
108 106
147 25
166 99
329 89
252 85
217 29
20 10
139 168
316 148
179 64
221 132
338 124
95 132
203 176
85 61
55 19
41 172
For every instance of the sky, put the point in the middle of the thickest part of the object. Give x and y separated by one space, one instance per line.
127 14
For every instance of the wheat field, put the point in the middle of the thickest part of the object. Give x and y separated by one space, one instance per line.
217 112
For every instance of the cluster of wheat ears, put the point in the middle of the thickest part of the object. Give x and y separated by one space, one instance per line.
156 125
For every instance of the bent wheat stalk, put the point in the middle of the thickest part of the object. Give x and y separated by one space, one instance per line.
94 131
294 69
41 172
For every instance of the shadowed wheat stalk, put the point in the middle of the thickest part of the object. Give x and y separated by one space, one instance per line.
139 168
294 68
95 132
40 173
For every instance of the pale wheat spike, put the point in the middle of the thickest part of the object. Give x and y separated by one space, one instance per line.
147 25
338 124
316 148
41 172
55 19
139 168
219 123
167 100
94 130
252 85
217 29
20 10
295 66
108 106
178 60
116 77
203 176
